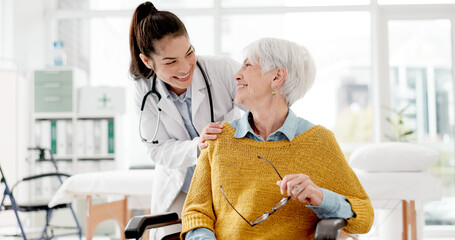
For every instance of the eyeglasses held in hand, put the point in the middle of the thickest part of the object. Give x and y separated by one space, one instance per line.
266 215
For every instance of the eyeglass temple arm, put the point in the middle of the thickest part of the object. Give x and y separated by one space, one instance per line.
222 191
272 166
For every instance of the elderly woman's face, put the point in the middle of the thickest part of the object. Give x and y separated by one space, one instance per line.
252 85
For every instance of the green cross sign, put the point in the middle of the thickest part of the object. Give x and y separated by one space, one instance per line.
104 100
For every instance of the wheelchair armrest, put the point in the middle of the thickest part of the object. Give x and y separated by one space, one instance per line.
139 224
328 229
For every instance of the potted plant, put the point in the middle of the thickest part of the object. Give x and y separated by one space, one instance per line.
400 131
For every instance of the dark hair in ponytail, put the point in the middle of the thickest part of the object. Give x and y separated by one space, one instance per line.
147 27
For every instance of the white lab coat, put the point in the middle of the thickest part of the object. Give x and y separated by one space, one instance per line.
176 151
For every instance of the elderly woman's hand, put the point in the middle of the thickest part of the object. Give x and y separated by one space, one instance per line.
209 133
300 186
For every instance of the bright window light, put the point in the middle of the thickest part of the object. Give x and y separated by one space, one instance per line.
104 5
421 87
340 44
289 3
400 2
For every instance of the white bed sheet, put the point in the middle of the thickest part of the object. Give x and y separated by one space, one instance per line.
136 184
386 186
381 187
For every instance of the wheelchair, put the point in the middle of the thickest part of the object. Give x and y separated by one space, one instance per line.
326 229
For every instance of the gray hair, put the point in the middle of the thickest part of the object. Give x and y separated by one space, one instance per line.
273 53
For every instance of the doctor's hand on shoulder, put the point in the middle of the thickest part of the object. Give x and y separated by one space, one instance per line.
209 132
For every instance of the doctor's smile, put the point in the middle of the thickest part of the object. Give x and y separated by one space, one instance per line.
183 78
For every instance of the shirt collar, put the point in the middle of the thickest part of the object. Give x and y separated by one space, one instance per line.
243 126
289 127
174 97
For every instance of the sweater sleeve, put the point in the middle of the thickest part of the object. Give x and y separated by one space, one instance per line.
198 207
346 183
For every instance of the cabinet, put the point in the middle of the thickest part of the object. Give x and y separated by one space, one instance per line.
54 90
80 142
82 139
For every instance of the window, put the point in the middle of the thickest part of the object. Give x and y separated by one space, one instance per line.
421 84
342 62
289 3
399 2
106 5
75 36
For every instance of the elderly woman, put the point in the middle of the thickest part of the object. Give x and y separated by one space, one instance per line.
271 174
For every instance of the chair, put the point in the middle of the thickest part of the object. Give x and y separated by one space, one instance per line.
326 229
47 232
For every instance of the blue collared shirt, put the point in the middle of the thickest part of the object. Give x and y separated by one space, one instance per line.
333 204
292 127
183 104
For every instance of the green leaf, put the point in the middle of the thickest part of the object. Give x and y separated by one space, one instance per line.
408 133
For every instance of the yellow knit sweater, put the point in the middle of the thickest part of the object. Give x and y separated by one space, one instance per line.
250 185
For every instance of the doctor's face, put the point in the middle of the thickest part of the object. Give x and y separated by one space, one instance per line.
174 62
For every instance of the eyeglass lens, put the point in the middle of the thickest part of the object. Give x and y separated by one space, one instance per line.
281 203
261 218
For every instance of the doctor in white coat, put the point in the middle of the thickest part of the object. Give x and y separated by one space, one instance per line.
163 58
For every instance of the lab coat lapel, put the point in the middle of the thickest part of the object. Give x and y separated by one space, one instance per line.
167 106
200 104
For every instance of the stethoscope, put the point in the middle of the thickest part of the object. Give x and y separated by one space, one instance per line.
158 96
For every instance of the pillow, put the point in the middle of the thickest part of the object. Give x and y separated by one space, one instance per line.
393 157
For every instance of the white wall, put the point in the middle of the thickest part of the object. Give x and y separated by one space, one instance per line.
30 34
